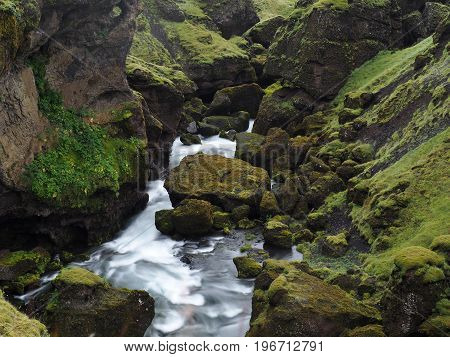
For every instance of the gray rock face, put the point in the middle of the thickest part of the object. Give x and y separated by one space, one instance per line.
232 17
21 125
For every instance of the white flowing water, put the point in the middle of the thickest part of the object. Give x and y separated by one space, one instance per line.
207 300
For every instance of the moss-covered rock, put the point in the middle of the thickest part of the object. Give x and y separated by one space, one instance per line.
227 183
277 234
190 139
269 205
418 279
248 145
81 303
303 235
335 246
246 97
193 218
240 213
247 267
331 50
299 304
22 269
210 60
15 324
239 122
163 222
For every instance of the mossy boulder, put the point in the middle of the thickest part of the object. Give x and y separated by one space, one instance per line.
21 269
207 130
193 218
163 221
269 205
238 122
423 261
303 235
16 324
247 267
322 187
81 303
277 234
417 283
334 246
298 304
248 145
190 139
227 183
246 97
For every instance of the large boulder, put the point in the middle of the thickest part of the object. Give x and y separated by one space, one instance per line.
193 218
277 234
81 303
291 303
224 182
246 97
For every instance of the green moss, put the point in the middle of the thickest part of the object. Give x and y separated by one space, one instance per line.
247 267
270 90
78 276
382 69
339 239
15 324
85 158
246 247
441 243
199 44
416 257
157 75
147 48
267 9
407 203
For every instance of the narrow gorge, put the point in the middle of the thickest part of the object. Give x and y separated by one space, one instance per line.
216 168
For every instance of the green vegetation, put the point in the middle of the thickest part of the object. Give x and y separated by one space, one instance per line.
200 44
78 276
267 9
409 201
383 69
85 158
15 324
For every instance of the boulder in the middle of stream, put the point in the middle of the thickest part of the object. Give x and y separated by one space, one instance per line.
227 183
